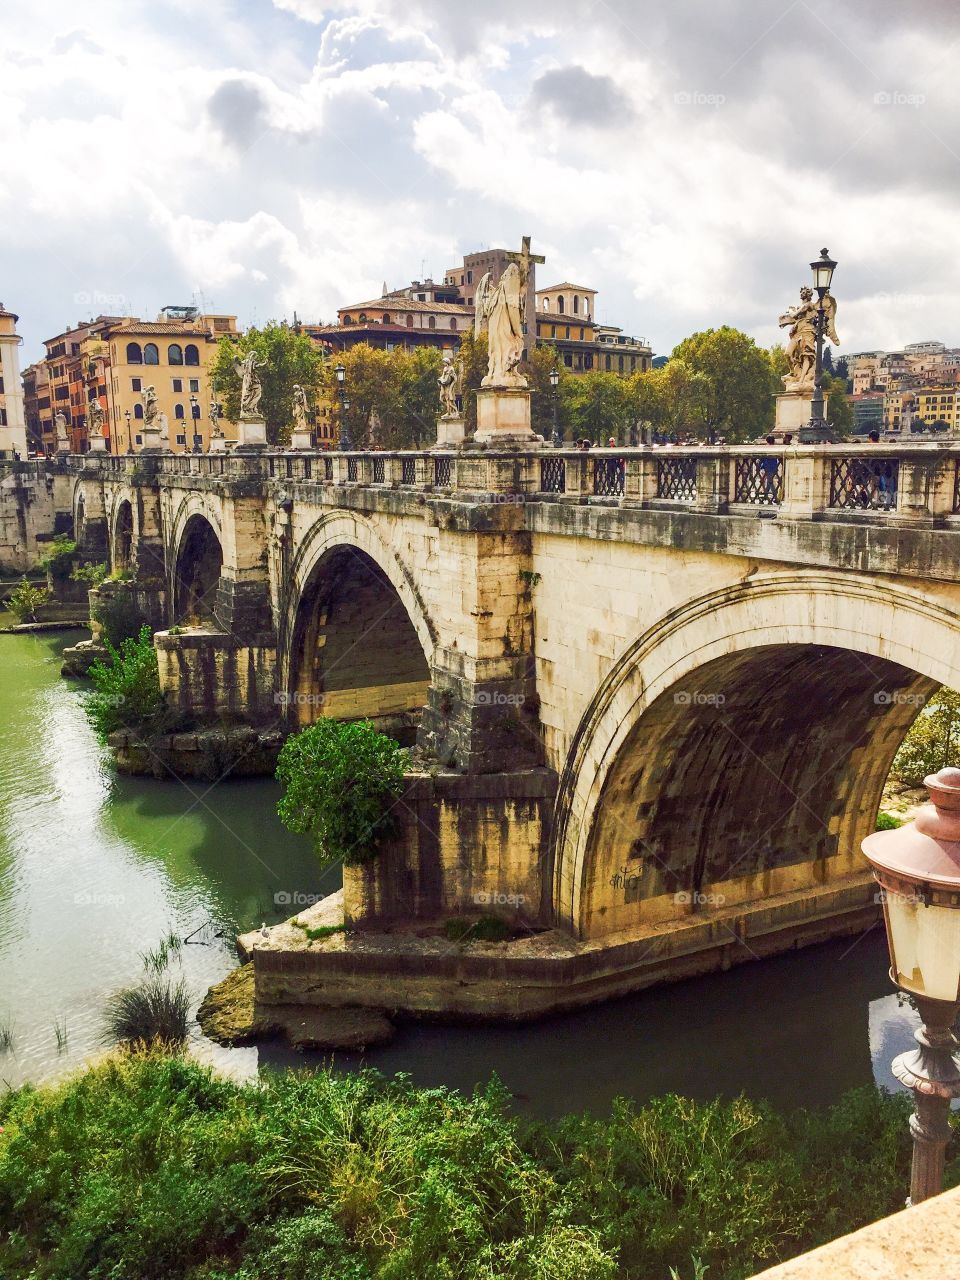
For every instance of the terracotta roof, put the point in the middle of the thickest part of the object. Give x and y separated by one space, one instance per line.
401 306
161 327
580 288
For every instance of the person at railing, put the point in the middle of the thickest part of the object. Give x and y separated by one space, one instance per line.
769 467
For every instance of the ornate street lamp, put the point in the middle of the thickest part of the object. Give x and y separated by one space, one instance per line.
918 869
823 269
554 384
341 375
126 414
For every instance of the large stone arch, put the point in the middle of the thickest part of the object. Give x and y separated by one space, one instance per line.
195 562
747 727
89 519
355 637
123 532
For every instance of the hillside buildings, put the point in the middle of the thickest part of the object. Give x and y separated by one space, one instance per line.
909 391
13 435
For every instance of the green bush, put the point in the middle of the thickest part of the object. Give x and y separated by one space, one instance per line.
95 574
485 929
887 822
341 782
58 559
126 690
25 599
152 1166
119 616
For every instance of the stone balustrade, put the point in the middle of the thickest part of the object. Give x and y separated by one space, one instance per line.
906 483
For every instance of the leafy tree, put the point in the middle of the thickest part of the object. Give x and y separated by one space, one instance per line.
537 370
119 616
372 388
839 408
842 371
828 361
290 358
933 742
473 353
126 690
25 599
671 399
418 398
738 403
598 405
341 781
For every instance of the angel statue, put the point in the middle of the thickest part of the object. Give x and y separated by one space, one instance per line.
95 418
449 381
151 407
499 311
801 348
251 388
299 408
215 428
60 421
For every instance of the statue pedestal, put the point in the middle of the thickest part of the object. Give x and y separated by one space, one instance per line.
218 444
503 418
98 444
300 440
451 431
793 412
252 433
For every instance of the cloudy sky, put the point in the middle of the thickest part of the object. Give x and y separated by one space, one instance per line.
687 159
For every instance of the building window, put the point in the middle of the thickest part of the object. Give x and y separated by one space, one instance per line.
194 384
348 319
560 305
150 354
620 359
581 335
178 411
134 354
546 304
191 354
432 322
568 359
576 305
453 324
409 322
3 417
588 361
138 410
469 277
386 317
178 385
586 307
138 439
181 439
174 354
136 384
567 332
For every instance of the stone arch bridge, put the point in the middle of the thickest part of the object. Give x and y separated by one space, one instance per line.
656 693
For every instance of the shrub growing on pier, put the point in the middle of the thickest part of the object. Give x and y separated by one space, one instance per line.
119 617
126 690
341 783
58 559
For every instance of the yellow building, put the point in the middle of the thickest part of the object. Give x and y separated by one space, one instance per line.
938 404
13 433
173 355
566 320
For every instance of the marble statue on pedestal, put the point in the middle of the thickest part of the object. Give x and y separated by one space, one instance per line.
94 418
801 348
499 313
300 410
60 423
151 408
251 389
451 377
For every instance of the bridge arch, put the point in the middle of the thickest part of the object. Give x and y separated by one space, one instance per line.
738 749
196 564
123 535
356 639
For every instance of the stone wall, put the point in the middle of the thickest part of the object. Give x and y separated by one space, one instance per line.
210 676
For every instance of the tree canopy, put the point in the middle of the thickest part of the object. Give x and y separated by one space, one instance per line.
738 382
289 358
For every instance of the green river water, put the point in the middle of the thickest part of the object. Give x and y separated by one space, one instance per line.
96 868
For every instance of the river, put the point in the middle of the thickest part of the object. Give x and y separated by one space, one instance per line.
95 869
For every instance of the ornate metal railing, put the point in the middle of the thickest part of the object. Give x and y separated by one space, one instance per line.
759 480
677 479
328 468
408 471
442 472
956 488
864 484
379 470
553 475
353 469
609 475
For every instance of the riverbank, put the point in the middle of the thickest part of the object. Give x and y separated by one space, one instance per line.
154 1166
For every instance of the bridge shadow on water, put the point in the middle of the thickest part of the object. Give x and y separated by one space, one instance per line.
795 1029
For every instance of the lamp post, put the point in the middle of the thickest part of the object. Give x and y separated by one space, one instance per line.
345 443
126 414
194 418
918 869
554 384
818 431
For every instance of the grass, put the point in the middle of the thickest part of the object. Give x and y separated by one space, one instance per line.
154 1012
887 822
157 958
319 931
151 1165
